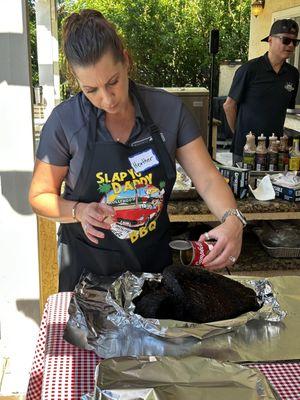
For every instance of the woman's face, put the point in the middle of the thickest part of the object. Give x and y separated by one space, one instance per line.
105 83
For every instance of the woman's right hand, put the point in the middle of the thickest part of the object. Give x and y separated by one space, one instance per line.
95 215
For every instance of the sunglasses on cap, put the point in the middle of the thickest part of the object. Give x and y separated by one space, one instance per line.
286 40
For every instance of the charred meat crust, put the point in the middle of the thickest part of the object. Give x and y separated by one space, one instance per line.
195 295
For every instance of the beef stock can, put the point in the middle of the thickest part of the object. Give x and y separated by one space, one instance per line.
192 252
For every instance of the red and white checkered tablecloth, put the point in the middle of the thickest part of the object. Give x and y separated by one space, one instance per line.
61 371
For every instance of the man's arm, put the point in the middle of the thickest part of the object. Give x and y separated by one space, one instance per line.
236 94
230 109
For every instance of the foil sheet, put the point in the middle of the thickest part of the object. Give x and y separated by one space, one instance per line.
165 378
128 286
102 320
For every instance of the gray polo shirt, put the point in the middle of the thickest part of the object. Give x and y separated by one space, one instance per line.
64 135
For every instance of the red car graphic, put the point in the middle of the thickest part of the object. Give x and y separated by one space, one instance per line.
134 217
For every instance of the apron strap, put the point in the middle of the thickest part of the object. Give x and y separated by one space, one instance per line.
162 152
156 135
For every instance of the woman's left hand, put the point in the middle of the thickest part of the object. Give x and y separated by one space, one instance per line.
227 248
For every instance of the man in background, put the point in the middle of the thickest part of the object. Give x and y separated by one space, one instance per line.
263 89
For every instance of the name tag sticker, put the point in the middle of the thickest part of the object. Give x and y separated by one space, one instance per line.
143 161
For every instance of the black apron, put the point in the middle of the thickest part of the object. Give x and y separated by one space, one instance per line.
136 180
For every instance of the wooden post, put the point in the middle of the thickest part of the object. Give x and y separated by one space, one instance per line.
48 266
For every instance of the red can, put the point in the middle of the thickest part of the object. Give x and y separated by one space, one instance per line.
192 252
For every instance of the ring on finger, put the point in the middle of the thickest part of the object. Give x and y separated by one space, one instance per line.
232 259
85 226
207 237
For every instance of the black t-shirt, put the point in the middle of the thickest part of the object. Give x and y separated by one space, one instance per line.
262 96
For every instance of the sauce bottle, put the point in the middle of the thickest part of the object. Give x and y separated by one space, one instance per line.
261 154
249 152
294 156
272 155
283 154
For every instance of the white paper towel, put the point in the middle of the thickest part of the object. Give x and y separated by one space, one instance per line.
264 190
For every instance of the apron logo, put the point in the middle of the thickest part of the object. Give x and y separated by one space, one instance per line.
289 87
136 209
136 200
143 161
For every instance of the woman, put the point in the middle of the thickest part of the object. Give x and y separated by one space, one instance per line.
114 144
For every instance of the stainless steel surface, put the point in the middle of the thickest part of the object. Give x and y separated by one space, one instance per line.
196 99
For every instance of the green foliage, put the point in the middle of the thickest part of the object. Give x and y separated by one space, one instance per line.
168 39
32 37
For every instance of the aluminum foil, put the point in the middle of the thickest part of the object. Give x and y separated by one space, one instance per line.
102 319
183 182
128 286
165 378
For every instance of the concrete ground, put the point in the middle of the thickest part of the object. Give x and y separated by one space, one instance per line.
19 304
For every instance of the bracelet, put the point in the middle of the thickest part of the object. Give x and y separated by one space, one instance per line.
74 211
236 213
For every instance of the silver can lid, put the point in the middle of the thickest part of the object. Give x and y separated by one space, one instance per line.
180 245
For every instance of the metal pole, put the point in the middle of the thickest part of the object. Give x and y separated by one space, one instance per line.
210 122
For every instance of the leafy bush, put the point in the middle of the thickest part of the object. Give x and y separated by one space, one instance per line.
168 39
33 48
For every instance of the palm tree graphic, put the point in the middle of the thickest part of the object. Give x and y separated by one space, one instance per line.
104 188
162 184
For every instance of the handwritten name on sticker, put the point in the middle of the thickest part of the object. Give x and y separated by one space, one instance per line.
143 161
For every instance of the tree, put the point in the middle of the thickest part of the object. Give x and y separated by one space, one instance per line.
168 39
33 48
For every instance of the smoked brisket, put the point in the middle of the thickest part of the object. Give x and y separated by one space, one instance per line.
195 295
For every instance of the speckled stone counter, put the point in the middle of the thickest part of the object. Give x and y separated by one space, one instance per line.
197 211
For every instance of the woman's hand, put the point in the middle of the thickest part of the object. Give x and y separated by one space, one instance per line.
228 245
95 215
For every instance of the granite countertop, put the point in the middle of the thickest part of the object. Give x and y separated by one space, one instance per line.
249 205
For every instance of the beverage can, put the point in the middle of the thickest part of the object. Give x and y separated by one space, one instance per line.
191 252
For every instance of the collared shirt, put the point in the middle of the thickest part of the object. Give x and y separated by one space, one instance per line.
262 96
64 135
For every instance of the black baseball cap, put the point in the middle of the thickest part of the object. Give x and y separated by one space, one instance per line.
283 26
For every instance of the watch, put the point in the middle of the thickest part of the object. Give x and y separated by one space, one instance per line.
237 213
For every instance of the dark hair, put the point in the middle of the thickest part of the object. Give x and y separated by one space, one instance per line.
87 36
